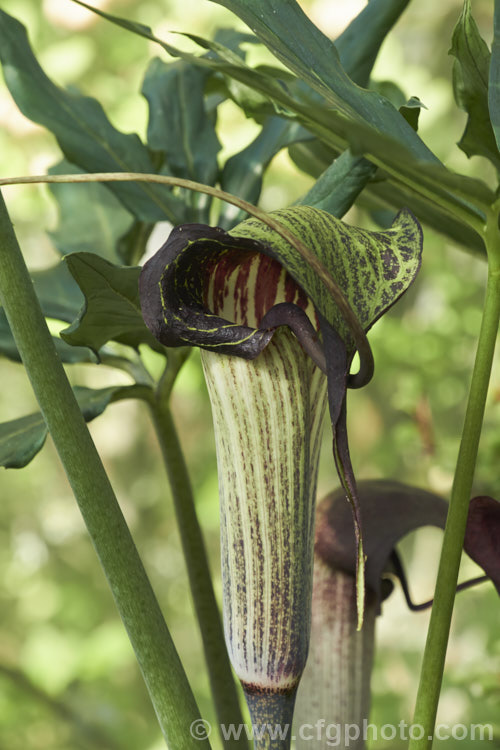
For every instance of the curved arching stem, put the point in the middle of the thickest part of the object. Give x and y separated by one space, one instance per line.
363 376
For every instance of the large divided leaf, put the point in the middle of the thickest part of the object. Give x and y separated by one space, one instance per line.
313 157
83 131
470 85
382 194
112 310
358 47
381 137
399 150
303 48
448 194
91 218
21 439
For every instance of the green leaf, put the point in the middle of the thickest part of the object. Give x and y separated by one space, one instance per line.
409 108
359 44
60 298
470 86
94 401
494 77
57 292
68 354
391 91
111 311
223 60
21 439
383 195
461 195
179 124
81 127
360 116
239 79
313 156
233 39
467 194
91 219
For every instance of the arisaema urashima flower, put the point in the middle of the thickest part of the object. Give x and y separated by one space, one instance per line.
333 698
276 348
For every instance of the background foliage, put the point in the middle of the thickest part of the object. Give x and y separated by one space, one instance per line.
68 677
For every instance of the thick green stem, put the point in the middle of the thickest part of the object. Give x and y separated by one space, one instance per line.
219 669
162 670
439 627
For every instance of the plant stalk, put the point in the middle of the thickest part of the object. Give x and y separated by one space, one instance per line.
439 627
163 673
219 669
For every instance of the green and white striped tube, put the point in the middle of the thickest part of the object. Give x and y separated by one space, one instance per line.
268 415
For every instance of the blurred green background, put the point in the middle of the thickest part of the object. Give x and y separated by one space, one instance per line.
68 677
